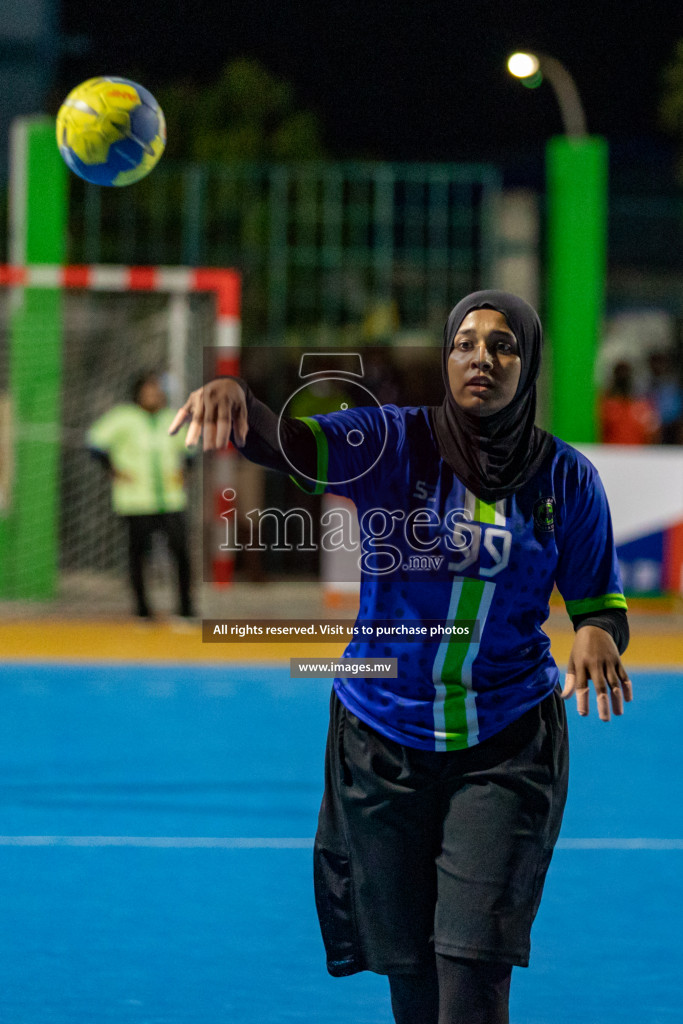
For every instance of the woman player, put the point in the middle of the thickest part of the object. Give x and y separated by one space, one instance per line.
445 787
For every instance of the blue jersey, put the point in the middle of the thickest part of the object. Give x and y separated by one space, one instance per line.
432 552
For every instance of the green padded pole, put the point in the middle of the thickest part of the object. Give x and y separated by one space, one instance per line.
576 170
37 218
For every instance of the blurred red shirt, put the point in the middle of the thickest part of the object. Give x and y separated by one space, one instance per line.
628 420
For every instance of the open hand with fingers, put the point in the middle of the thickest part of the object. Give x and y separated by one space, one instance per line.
218 411
594 655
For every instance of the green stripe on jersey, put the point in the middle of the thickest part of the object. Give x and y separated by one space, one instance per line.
455 709
596 604
323 457
484 511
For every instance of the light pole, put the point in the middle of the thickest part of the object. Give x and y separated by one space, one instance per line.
532 68
576 184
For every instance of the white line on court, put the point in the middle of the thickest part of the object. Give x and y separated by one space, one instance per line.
612 843
167 842
293 843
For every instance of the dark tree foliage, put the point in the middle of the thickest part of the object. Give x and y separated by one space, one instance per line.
246 114
671 102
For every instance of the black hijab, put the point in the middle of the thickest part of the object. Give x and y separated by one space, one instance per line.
495 455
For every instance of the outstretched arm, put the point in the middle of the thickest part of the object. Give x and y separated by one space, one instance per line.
226 410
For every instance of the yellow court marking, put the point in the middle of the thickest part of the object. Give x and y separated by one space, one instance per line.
116 641
645 650
122 640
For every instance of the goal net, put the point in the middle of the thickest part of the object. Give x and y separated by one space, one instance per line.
116 323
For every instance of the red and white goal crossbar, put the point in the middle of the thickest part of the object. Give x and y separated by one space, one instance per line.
225 284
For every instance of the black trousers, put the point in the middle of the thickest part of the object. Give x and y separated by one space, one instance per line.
421 852
140 532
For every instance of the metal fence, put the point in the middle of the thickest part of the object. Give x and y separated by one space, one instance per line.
646 252
330 249
647 230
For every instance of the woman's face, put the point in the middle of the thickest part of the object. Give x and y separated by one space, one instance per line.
484 363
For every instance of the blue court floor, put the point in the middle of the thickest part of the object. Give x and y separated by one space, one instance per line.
155 856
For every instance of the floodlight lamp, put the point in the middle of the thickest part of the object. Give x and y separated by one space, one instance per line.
523 65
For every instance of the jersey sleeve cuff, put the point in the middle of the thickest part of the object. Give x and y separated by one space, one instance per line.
596 604
318 485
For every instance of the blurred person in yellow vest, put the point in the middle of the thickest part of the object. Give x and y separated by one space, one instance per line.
147 470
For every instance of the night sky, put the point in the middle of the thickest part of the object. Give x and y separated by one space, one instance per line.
397 80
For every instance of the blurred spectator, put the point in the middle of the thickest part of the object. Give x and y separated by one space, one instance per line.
664 391
625 418
147 470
